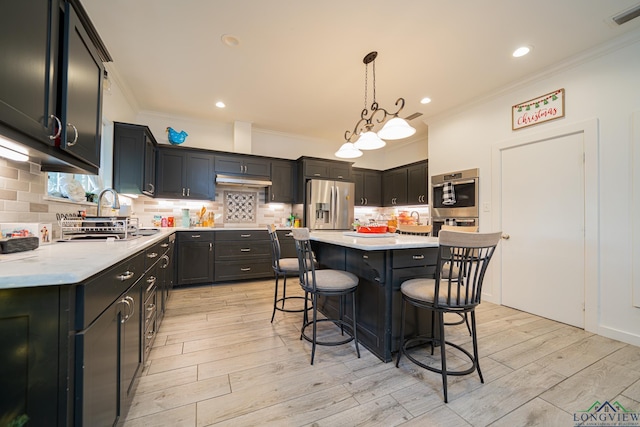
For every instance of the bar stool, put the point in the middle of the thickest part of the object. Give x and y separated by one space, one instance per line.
325 282
282 267
470 254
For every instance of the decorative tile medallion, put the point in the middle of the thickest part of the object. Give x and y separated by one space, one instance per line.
240 207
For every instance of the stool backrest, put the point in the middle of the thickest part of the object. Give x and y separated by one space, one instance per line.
275 247
463 228
468 254
306 258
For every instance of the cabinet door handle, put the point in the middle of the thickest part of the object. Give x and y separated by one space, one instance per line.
184 193
245 235
366 202
126 275
75 138
245 249
164 245
188 192
195 236
289 235
418 257
57 134
152 188
133 305
152 255
246 269
210 247
365 256
340 177
316 174
128 304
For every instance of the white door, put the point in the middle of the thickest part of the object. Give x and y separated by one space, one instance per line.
543 213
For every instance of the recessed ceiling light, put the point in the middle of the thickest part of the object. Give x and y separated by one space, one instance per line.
425 100
230 40
220 104
521 51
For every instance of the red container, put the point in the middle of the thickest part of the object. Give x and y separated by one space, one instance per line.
379 229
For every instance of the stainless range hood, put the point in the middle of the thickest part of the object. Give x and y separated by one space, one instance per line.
243 181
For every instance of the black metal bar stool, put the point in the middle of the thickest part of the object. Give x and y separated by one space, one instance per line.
326 282
468 254
283 267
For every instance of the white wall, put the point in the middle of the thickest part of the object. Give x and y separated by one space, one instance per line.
605 87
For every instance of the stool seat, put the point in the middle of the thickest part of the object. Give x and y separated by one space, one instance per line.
333 280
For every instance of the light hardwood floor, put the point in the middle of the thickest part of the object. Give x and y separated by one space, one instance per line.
217 360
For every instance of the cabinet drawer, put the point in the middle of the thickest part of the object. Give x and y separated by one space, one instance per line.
195 236
242 235
369 265
101 291
402 258
239 270
236 251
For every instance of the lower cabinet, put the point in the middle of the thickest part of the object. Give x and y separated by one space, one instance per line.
379 300
287 244
30 356
195 257
107 347
242 254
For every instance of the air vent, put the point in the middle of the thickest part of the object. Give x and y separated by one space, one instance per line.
627 15
413 116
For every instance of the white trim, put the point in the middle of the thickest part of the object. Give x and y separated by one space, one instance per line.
591 210
635 207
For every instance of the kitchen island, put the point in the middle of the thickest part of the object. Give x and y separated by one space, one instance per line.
381 263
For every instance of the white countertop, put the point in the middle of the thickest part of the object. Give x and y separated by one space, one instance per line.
65 263
370 243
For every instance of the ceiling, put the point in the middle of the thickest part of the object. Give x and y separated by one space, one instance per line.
298 65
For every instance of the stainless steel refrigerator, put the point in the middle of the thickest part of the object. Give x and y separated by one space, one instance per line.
329 205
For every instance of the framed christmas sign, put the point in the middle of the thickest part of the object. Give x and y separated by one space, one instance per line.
538 110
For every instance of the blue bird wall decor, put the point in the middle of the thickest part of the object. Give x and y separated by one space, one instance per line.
176 137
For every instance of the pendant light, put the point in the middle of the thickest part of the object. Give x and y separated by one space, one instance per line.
363 137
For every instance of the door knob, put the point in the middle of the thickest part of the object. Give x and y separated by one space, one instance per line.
505 236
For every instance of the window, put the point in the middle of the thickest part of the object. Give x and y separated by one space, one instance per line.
72 186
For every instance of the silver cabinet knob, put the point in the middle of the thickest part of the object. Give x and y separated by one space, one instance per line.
505 236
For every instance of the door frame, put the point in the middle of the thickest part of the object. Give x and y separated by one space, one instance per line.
589 128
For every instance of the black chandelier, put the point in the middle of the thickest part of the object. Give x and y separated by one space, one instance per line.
362 137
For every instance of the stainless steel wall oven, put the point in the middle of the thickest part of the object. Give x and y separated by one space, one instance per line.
455 199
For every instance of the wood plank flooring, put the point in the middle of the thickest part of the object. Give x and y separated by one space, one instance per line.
218 361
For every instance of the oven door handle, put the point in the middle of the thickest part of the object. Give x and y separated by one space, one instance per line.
466 181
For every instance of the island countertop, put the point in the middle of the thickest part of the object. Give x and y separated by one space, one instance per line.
370 242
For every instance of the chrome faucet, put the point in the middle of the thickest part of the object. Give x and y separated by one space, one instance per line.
114 205
417 215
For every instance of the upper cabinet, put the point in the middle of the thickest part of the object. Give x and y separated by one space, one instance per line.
405 185
283 178
184 173
134 163
243 165
327 169
368 187
417 174
51 91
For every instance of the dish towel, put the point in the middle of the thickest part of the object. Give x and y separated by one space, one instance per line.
448 194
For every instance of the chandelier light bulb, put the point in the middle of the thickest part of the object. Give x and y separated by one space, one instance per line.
369 141
348 151
396 128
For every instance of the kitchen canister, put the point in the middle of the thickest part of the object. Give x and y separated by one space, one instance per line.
185 218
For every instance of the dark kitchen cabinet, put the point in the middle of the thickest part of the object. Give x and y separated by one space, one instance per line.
31 356
108 342
322 168
394 187
242 255
368 188
80 107
283 178
243 165
287 244
184 173
195 257
417 175
134 159
52 73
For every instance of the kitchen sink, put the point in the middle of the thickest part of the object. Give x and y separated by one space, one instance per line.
146 231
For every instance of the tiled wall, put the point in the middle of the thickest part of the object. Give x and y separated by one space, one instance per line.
23 188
